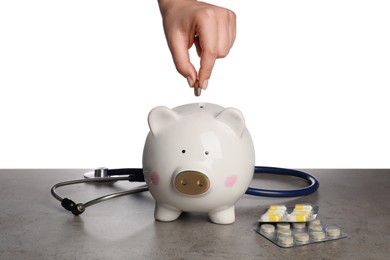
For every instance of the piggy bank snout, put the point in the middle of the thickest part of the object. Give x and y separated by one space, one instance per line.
192 183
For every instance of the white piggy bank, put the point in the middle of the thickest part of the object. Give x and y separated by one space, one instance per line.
197 158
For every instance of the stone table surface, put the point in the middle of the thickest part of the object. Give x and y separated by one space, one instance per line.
33 225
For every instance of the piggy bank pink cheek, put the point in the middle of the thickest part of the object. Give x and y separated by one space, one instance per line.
230 181
155 178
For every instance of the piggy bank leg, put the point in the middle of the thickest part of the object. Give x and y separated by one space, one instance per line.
223 215
163 212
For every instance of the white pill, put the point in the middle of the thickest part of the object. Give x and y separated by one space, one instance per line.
267 228
318 235
286 240
284 232
333 231
315 222
301 237
315 228
299 225
283 226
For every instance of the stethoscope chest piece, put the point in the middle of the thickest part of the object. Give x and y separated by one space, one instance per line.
97 173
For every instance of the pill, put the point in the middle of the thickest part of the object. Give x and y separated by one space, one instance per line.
268 228
286 240
333 231
280 212
283 226
301 212
315 222
282 207
276 211
296 217
284 232
271 217
301 237
303 206
315 228
318 235
299 225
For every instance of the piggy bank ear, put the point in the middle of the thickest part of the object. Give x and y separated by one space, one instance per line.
233 118
160 117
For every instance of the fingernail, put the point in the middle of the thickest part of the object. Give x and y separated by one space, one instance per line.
189 80
205 84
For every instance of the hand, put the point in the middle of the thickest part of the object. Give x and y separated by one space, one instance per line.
211 28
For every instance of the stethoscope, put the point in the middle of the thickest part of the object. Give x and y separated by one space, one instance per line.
104 175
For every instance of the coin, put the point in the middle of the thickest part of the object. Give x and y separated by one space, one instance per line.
197 89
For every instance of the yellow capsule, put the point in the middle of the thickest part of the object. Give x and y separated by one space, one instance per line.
303 206
283 207
297 218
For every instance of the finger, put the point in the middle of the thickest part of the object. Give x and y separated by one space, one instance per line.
208 41
224 43
181 58
197 46
232 28
206 68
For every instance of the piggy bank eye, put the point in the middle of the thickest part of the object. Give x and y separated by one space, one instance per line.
206 152
183 151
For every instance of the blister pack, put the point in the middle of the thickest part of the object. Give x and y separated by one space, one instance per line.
295 226
281 213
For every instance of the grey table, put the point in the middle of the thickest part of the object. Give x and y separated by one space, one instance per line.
33 225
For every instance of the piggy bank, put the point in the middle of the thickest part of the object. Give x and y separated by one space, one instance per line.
197 158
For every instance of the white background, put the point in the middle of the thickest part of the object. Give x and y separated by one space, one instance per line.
78 78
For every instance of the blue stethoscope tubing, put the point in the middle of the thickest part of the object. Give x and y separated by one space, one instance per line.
312 187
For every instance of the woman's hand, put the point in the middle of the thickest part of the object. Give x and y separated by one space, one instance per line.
211 28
